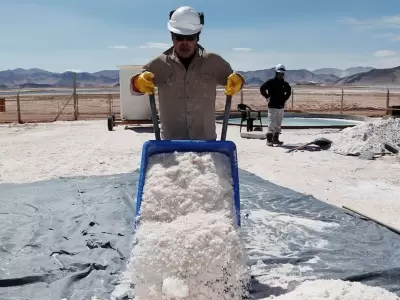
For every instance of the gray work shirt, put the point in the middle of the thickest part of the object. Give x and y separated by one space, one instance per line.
187 98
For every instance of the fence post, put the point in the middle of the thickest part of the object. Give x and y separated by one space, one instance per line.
387 101
77 106
18 110
241 96
109 108
2 104
341 103
75 100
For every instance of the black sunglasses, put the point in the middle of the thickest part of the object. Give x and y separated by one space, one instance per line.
189 38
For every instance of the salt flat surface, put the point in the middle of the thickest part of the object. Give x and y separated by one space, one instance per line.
37 152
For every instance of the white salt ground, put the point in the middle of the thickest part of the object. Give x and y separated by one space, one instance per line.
187 244
336 290
368 136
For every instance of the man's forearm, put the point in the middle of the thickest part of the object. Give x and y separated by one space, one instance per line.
263 90
287 95
264 94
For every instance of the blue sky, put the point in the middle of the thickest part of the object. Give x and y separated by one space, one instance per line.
92 35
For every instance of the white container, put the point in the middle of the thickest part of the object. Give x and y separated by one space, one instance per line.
132 107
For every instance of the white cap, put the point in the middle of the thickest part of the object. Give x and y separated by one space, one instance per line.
185 21
280 68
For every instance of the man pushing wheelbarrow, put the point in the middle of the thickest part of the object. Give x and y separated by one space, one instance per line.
187 77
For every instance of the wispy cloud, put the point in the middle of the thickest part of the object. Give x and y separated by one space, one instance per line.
155 45
383 22
394 37
241 49
379 25
365 24
119 47
384 53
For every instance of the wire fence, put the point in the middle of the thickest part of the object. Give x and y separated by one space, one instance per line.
50 107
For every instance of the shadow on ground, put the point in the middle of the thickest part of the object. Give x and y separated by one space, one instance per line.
141 129
61 236
306 148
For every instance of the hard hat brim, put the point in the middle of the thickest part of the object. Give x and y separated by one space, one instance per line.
184 31
280 71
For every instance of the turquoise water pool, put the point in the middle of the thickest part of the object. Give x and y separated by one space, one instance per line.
303 122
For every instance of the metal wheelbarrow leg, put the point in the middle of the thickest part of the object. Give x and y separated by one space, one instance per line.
154 116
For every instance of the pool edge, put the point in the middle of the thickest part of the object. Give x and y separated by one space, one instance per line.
219 119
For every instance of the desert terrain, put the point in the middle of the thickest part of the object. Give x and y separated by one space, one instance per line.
97 105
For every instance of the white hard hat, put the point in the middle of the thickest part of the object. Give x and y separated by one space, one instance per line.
185 21
280 68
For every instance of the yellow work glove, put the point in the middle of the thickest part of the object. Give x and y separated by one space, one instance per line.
144 83
234 84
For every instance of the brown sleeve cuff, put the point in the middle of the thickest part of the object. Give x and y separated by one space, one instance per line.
134 88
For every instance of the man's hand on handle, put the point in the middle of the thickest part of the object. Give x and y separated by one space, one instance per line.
144 83
234 84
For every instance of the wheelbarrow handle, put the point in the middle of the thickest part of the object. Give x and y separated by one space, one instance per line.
226 117
154 116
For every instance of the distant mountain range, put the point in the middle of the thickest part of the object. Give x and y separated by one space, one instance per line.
38 78
303 76
373 77
342 73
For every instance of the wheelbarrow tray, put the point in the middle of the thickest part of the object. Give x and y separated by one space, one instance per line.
153 147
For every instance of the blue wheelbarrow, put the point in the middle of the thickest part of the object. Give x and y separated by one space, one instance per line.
158 146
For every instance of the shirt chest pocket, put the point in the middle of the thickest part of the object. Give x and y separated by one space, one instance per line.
204 80
167 80
204 77
172 84
204 85
171 88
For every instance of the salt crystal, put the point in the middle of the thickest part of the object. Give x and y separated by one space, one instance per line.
175 288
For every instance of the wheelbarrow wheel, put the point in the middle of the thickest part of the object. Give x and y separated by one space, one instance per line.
110 123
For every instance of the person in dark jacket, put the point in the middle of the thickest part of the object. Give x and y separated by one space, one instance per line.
277 91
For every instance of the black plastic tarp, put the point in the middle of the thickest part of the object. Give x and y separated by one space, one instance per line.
320 240
71 238
65 238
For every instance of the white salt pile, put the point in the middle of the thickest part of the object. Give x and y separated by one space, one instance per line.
187 244
177 184
368 136
336 290
196 254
